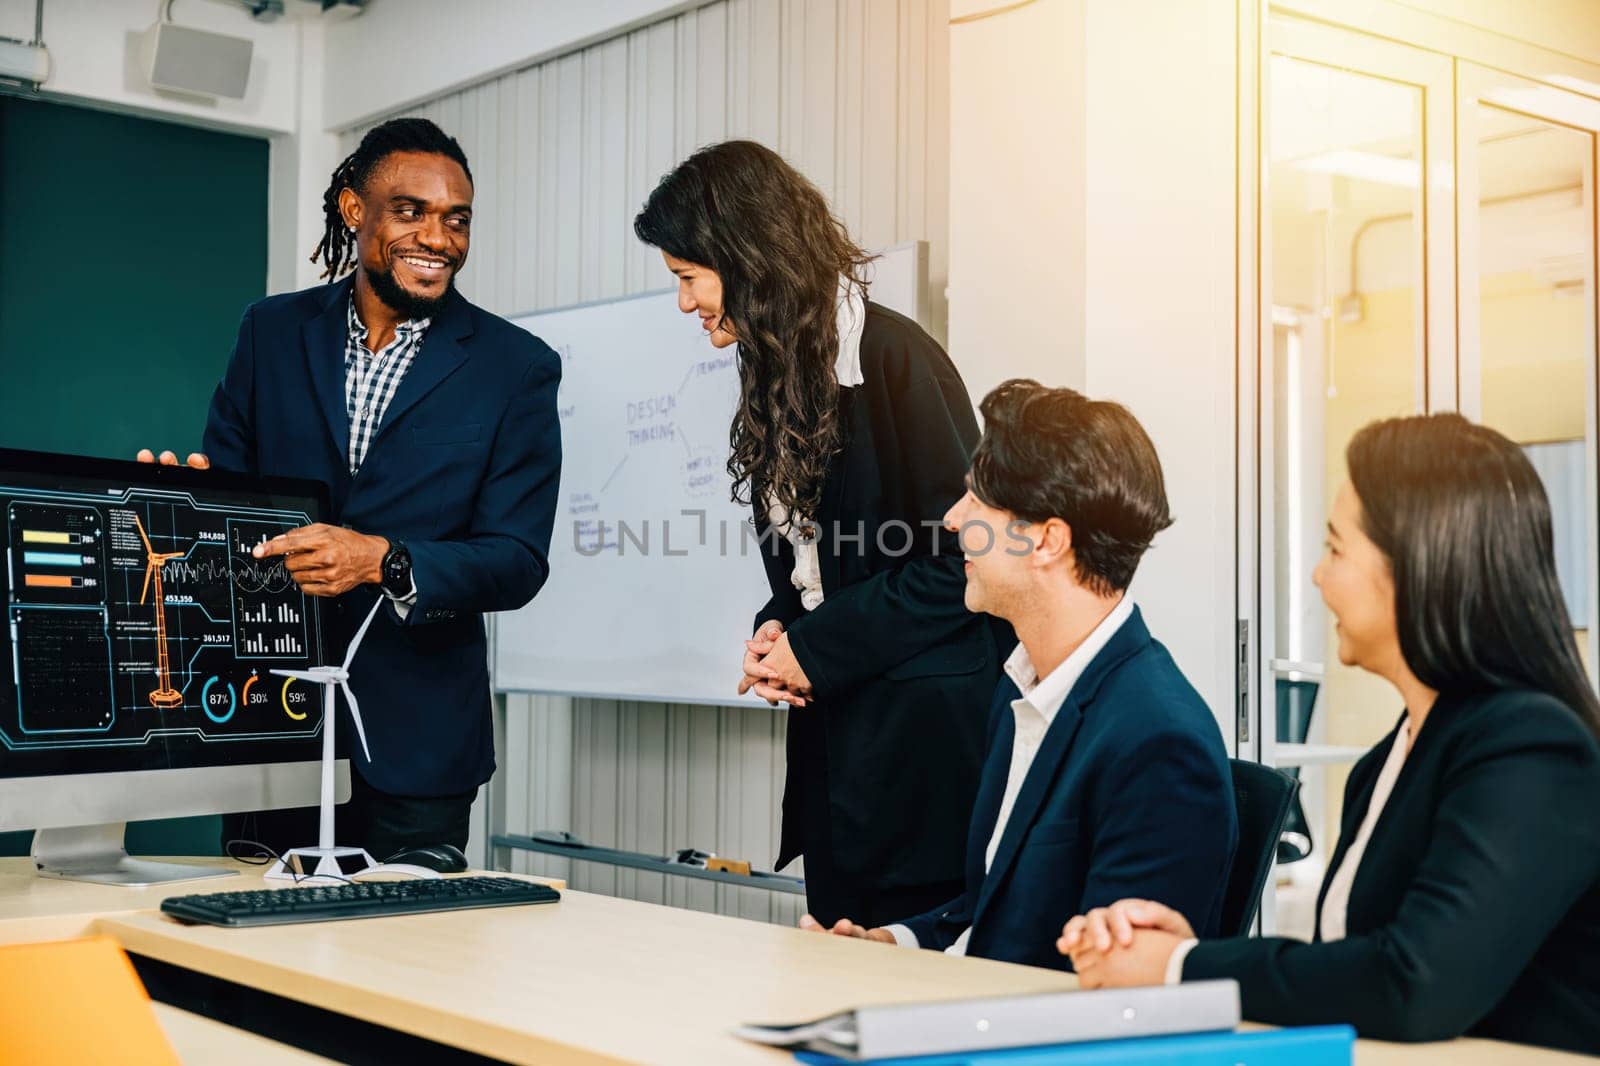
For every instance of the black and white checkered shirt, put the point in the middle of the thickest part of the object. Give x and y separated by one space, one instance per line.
371 378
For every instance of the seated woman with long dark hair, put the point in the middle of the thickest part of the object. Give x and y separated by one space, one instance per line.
1463 896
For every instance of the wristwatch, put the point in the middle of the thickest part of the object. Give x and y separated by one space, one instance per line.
397 571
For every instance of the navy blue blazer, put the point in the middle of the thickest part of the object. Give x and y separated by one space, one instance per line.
464 469
1129 795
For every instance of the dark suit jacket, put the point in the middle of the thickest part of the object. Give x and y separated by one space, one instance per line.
463 469
1129 795
1476 908
888 754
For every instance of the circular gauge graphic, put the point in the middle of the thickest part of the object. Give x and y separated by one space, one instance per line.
296 703
214 702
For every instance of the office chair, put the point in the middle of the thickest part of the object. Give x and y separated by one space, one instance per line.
1295 702
1262 796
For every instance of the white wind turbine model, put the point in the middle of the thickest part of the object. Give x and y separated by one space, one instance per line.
327 860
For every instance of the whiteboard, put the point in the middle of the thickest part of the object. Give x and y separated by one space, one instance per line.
655 574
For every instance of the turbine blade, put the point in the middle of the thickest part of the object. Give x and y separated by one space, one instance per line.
148 571
355 716
355 642
140 527
300 675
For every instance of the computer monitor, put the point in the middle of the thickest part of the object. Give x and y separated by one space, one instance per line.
135 655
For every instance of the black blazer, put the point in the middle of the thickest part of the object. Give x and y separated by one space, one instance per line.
463 469
1129 795
1476 908
888 755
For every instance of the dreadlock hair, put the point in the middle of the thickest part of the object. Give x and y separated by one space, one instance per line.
337 250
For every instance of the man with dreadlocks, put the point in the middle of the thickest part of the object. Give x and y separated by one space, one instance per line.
434 425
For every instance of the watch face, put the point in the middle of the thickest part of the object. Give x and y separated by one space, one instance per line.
396 567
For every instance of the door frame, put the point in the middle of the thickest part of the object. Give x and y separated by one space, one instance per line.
1480 85
1457 65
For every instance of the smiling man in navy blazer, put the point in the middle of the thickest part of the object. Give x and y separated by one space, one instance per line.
1105 771
434 425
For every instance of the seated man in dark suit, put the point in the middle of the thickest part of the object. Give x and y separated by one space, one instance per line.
1105 775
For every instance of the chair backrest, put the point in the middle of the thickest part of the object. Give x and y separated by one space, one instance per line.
1262 796
1296 703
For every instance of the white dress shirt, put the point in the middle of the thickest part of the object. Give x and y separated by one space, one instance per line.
1034 712
1336 902
807 575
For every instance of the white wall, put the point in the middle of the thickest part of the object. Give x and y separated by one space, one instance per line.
399 53
302 165
1092 227
1159 297
93 60
563 154
1017 167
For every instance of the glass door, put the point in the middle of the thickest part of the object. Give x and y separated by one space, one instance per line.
1427 241
1357 277
1526 216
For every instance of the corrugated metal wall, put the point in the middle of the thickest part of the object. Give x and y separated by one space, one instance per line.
854 92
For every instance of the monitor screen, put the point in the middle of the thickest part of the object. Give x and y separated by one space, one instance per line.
139 631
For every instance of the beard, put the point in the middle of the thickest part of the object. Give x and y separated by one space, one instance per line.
406 303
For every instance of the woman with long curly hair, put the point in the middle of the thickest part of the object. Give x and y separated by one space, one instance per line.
852 436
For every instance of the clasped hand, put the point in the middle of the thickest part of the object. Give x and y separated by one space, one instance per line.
771 670
1128 943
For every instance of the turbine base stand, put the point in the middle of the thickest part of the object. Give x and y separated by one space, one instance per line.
321 865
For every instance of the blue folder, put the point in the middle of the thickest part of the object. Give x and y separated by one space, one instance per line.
1322 1045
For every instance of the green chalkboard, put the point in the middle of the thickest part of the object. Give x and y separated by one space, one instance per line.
129 249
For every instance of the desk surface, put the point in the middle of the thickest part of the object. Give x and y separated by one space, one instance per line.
589 979
597 979
34 908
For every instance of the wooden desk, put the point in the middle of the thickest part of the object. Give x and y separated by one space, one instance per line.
1464 1052
589 979
34 908
594 979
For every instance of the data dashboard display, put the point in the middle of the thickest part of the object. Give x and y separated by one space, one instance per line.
140 631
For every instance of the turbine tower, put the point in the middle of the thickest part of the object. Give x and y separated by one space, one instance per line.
164 695
328 860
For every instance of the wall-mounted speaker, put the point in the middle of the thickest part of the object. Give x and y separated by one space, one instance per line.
186 60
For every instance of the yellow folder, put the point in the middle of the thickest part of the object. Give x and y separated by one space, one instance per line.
76 1001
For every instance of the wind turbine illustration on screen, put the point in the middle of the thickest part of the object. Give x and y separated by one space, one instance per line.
164 695
328 859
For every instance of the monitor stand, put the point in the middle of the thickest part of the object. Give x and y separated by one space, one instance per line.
95 853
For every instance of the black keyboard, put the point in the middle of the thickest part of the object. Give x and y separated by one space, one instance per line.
367 899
